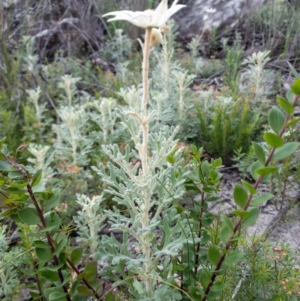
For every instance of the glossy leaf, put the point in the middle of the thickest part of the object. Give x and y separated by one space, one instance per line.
90 271
52 201
252 218
196 293
84 291
43 254
48 291
37 178
285 105
276 119
60 246
29 216
240 195
266 170
227 222
249 187
218 286
49 275
286 150
76 255
52 220
4 166
204 277
225 234
57 296
213 254
260 153
273 140
295 87
233 257
241 213
261 199
255 166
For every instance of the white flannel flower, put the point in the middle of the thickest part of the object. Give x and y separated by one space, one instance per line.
148 18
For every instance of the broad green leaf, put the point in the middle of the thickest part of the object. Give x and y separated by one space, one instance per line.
266 170
49 275
53 220
90 271
60 246
213 254
233 257
295 87
276 120
204 277
207 219
286 150
252 218
57 296
84 291
241 213
29 216
43 254
260 153
37 178
4 166
227 222
212 198
73 289
293 122
285 105
14 175
205 168
249 187
110 296
240 195
52 201
225 234
48 291
40 244
196 293
218 286
255 166
261 199
273 140
76 255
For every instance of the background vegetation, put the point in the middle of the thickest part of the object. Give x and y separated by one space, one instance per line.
63 73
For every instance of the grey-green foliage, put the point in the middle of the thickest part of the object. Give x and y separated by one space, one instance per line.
90 220
136 192
42 161
256 79
119 47
170 96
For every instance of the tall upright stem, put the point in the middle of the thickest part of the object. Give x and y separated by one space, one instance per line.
144 158
145 121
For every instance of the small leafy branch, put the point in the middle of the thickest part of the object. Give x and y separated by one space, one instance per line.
29 205
243 195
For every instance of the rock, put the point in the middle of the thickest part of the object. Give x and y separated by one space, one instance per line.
201 16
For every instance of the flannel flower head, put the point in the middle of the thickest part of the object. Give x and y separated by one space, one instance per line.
148 18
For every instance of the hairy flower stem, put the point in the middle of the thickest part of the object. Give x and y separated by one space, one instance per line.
144 158
145 121
239 222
